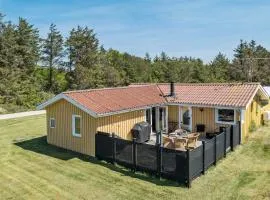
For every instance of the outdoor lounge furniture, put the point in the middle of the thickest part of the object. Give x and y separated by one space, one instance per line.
180 143
168 142
180 131
192 139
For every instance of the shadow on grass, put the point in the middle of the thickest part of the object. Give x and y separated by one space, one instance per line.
40 145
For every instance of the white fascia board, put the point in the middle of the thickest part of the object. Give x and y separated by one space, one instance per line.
242 116
264 92
251 99
70 100
50 101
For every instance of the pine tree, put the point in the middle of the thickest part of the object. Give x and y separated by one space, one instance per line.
245 64
82 48
147 57
219 68
27 48
52 54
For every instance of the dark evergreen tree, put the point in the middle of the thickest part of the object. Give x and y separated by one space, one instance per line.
52 56
27 48
219 68
82 48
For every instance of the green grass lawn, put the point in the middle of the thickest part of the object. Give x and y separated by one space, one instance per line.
32 169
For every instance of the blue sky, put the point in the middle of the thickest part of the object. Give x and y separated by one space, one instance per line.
197 28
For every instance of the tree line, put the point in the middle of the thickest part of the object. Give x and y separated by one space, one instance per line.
32 69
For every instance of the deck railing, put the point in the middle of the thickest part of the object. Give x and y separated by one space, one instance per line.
181 166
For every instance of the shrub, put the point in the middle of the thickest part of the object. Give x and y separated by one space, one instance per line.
3 111
11 108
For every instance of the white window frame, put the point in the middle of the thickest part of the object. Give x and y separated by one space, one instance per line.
222 122
73 126
51 122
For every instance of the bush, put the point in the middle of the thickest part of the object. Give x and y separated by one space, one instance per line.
3 110
11 108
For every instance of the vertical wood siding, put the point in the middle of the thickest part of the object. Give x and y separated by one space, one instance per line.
121 124
62 136
206 117
173 113
253 113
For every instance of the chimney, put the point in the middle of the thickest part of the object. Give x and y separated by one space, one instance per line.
172 90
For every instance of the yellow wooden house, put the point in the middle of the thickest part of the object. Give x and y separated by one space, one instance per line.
74 117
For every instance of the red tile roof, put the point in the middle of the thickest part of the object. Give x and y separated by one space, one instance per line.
212 94
107 100
138 96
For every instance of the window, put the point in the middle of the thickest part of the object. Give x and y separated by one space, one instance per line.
76 125
225 116
52 123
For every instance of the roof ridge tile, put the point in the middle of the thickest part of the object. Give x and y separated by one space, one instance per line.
100 89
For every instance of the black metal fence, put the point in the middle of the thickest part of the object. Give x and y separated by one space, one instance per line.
181 166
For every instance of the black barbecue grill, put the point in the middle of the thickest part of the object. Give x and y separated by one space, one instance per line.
141 131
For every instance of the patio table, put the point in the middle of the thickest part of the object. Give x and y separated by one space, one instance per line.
185 135
176 134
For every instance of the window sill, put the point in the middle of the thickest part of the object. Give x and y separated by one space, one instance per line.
227 123
77 135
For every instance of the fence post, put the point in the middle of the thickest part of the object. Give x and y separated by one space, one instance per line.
159 159
232 138
203 143
188 171
215 162
114 148
134 154
158 138
225 141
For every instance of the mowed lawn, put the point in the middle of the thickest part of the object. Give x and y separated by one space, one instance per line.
32 169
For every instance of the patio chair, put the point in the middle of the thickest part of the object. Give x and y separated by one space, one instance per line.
180 143
192 135
168 142
192 140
